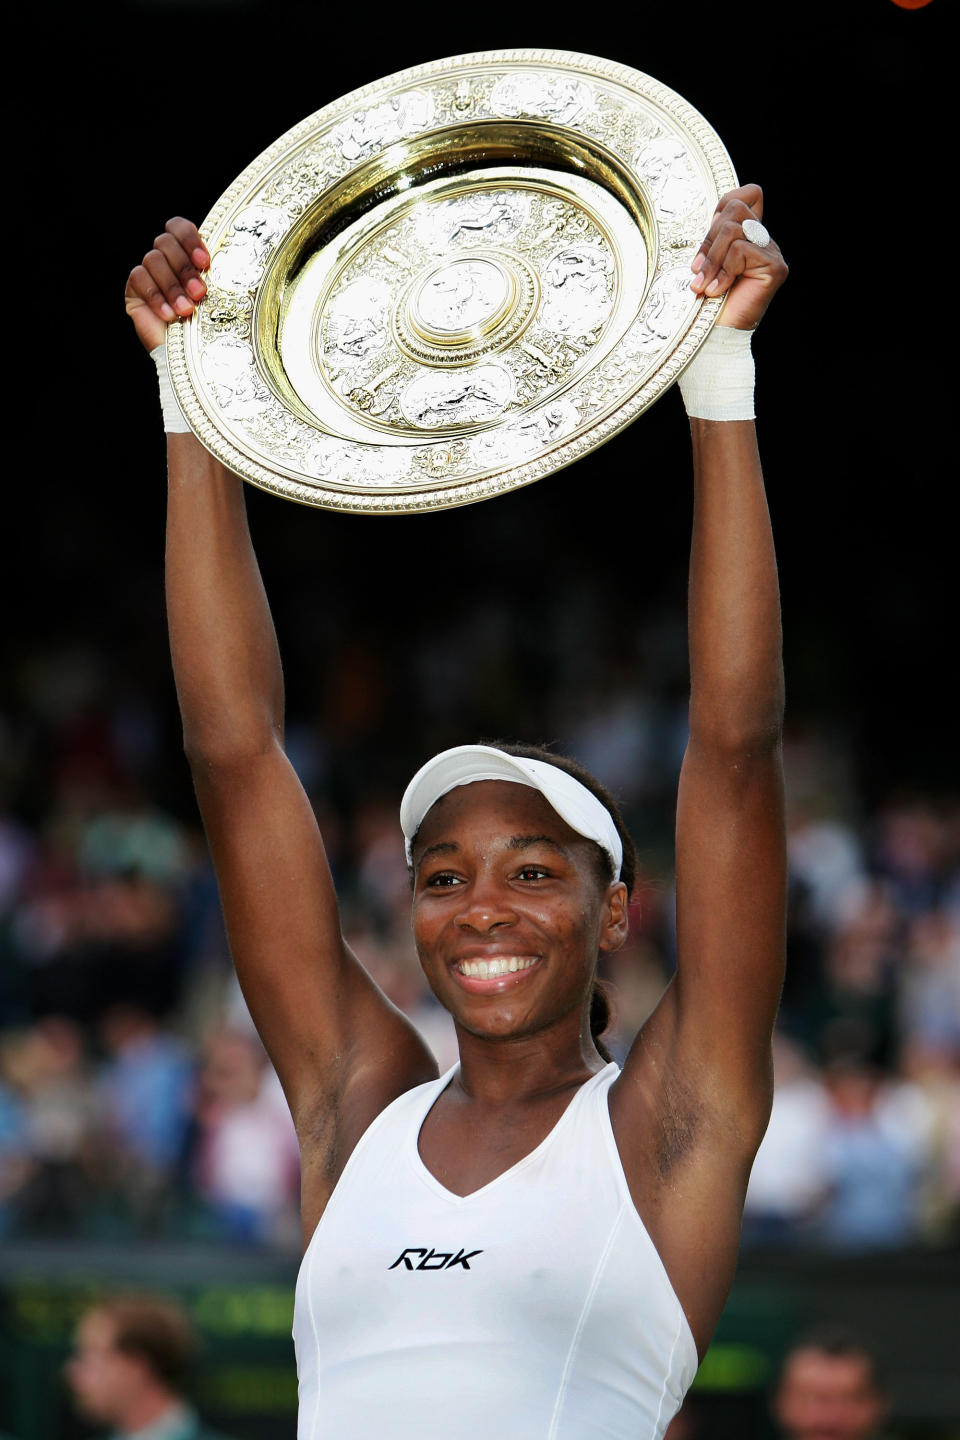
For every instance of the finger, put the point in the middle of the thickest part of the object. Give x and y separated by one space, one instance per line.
191 240
733 212
736 259
181 265
749 195
744 203
712 254
142 289
167 282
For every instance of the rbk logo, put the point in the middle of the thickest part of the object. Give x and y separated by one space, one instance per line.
433 1259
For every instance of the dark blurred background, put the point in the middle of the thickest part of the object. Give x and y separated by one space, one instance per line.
143 1139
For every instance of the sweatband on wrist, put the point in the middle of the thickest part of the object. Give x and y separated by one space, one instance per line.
718 382
173 421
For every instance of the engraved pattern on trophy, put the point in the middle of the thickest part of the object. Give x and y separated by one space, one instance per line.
670 174
461 296
358 323
481 216
508 283
498 328
525 437
578 287
367 131
239 264
461 397
532 352
561 98
301 182
228 368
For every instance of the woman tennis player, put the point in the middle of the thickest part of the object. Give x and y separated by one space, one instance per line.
537 1244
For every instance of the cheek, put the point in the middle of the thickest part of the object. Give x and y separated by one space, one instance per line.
90 1378
425 927
867 1415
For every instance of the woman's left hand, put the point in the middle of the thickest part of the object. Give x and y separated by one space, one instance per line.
727 263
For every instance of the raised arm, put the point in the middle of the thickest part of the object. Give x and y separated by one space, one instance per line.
341 1050
696 1088
730 843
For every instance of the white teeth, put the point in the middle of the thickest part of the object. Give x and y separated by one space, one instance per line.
500 965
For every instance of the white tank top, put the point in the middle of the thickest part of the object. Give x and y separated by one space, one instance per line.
534 1309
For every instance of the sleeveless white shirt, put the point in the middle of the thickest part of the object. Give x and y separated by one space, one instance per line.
536 1308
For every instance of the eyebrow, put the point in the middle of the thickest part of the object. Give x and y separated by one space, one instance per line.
523 842
442 847
516 842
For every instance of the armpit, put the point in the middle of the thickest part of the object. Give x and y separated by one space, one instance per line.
679 1125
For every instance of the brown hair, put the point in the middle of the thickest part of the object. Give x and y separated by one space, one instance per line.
156 1330
840 1343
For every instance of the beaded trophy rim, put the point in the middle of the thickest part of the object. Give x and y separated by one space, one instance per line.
281 478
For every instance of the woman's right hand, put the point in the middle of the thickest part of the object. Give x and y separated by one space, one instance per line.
167 285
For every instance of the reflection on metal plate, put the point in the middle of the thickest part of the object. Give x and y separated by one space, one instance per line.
452 282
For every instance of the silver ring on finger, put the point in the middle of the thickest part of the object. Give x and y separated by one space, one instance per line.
756 233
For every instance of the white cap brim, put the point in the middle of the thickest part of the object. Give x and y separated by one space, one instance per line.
465 764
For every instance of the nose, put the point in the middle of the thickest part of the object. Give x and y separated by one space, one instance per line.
485 907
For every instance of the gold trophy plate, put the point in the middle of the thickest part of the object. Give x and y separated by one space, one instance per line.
452 282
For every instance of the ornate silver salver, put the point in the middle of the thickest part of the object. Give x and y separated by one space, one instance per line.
452 282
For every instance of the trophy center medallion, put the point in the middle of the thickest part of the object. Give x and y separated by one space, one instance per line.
465 307
461 300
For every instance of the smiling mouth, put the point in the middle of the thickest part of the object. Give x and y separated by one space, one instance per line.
495 967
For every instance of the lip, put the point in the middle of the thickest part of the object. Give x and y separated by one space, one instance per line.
496 984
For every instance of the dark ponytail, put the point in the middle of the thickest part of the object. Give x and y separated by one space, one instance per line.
600 1017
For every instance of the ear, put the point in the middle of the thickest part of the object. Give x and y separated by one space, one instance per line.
615 920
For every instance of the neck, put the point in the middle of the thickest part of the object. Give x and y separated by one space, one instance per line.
146 1408
518 1069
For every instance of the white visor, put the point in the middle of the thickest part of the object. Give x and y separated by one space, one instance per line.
465 764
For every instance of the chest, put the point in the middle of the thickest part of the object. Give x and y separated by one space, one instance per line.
398 1249
532 1289
465 1147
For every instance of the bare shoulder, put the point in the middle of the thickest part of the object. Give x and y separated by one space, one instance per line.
335 1115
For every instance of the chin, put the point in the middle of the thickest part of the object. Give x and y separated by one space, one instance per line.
88 1409
501 1025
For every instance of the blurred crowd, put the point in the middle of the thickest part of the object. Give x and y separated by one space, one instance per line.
135 1098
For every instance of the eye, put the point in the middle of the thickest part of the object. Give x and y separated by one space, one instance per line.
533 872
442 879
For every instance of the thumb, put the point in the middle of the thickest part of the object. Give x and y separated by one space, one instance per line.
151 330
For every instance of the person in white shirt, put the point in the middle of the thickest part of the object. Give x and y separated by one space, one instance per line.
589 1203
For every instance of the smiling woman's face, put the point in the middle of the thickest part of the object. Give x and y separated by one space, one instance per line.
509 910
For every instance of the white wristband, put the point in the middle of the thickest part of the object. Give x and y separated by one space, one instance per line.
173 421
718 382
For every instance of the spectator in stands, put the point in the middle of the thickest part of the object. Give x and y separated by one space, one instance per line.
875 1148
830 1388
247 1160
131 1361
143 1090
144 1085
47 1115
788 1183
